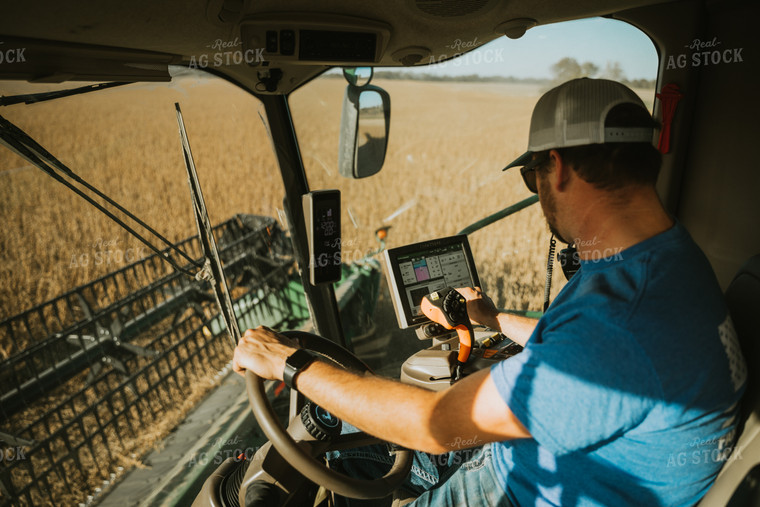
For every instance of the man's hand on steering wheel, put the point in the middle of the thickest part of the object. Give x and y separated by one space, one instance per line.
263 351
261 354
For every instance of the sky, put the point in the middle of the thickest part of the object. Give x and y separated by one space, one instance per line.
597 40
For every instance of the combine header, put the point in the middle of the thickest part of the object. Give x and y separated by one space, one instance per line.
92 370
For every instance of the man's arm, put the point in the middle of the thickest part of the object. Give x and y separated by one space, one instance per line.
469 413
482 311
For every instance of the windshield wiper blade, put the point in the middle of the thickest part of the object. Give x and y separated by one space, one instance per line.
31 98
212 270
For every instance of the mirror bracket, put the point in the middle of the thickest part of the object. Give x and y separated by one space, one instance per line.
358 76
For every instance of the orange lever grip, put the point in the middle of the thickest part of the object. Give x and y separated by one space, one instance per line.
465 344
434 313
465 337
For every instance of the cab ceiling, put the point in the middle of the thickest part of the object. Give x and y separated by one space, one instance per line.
182 28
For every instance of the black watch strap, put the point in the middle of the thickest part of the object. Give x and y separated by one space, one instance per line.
296 362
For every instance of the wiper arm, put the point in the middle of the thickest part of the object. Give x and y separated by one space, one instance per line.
31 98
212 269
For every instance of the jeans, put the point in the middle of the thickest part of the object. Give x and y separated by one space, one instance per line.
459 478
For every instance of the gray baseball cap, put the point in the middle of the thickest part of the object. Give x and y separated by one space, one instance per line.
574 113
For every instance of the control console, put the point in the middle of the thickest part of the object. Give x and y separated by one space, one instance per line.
432 368
423 278
448 308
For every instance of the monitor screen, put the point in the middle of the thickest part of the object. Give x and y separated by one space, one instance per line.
416 270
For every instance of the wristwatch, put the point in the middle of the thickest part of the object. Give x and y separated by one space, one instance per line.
296 362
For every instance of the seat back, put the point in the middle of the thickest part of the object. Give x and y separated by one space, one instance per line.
738 484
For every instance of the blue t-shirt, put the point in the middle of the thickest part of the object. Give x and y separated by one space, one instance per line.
629 384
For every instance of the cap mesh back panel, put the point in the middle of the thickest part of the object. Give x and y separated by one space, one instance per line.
573 114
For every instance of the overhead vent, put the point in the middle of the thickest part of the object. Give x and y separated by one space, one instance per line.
452 8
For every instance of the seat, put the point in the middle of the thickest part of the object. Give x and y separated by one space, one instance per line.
738 484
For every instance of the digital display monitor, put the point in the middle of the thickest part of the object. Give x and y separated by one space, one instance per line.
416 270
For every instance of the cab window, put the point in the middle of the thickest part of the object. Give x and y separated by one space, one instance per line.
454 126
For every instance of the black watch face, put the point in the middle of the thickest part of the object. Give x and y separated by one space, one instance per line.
299 358
294 364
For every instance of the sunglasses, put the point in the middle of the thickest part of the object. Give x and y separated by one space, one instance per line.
528 173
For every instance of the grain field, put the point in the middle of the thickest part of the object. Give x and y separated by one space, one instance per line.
447 145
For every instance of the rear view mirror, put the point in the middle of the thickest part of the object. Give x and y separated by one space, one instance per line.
365 124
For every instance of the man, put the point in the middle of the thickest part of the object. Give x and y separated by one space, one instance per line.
627 390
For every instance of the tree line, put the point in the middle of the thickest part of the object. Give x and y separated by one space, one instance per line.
569 68
563 70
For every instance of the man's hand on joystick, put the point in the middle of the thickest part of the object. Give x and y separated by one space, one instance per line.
448 308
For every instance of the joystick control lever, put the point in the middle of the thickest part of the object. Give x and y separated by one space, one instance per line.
448 308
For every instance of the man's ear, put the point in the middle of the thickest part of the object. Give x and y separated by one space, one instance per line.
563 172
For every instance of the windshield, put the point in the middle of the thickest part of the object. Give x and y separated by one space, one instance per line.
454 126
125 142
98 336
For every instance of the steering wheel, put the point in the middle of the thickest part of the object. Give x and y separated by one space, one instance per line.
299 458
